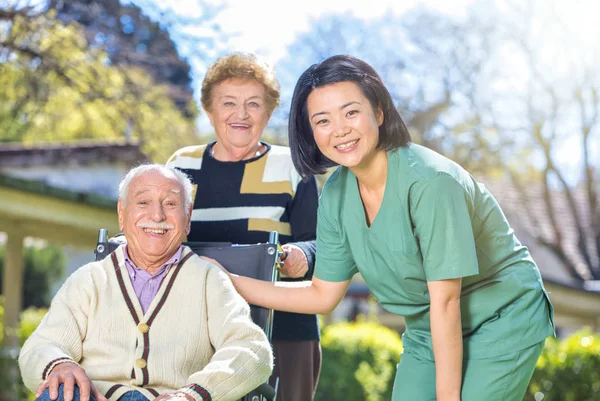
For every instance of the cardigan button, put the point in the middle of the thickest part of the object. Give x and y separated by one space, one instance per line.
140 363
143 328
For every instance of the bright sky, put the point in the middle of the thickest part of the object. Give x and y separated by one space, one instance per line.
269 25
266 27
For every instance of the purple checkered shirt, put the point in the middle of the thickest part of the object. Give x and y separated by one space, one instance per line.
145 284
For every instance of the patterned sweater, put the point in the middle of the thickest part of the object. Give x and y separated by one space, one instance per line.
241 202
196 336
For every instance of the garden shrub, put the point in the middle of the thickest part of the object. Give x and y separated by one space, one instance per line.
9 386
568 370
360 358
43 267
359 362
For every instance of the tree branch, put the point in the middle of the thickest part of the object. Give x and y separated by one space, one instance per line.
555 246
588 124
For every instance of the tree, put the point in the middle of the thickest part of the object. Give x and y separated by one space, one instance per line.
418 82
528 101
488 91
333 34
57 88
132 38
560 108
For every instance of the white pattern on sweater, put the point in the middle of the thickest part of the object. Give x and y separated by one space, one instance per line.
201 339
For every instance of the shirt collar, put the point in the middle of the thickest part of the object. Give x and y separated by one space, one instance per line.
174 259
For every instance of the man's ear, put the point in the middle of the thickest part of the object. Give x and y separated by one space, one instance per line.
189 220
120 212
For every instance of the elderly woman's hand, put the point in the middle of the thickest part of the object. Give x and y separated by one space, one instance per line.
295 264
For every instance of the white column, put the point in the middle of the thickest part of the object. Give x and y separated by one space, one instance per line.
12 286
12 289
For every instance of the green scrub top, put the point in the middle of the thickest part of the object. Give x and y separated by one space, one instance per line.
435 222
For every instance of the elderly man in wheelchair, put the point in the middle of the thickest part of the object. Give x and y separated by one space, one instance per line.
153 321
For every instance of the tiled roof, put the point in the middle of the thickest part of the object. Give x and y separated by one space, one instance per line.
80 152
531 215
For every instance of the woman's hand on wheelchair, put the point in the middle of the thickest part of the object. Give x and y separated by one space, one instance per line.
294 262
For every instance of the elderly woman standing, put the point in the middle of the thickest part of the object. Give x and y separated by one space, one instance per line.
248 188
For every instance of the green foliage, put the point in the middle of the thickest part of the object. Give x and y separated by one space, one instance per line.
568 370
44 266
30 319
56 88
359 362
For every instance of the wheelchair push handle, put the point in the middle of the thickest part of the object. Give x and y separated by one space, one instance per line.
104 246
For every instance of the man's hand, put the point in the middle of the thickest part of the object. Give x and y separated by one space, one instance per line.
174 397
295 264
69 374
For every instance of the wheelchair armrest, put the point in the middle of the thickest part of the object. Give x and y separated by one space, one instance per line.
267 391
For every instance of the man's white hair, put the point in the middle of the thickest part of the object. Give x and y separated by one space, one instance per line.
182 178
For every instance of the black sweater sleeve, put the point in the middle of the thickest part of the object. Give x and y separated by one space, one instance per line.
303 220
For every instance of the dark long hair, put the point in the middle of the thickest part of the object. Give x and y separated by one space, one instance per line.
306 156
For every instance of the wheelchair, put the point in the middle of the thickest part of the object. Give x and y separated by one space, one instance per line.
259 261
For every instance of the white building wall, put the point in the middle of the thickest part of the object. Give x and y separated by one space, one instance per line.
98 178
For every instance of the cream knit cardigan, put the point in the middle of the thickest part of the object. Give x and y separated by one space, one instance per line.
197 335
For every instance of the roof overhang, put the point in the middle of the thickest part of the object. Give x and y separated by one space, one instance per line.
73 219
569 299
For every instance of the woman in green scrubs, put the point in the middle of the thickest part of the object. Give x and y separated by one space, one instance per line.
431 243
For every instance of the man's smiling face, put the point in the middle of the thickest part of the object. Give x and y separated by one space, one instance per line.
153 218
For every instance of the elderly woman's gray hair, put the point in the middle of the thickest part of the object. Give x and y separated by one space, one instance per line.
183 179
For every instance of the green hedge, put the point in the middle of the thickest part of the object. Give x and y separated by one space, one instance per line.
360 358
359 361
568 370
30 319
44 266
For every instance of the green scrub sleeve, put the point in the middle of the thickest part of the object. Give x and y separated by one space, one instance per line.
334 262
441 211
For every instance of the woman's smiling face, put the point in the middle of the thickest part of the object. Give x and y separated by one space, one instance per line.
239 113
344 123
